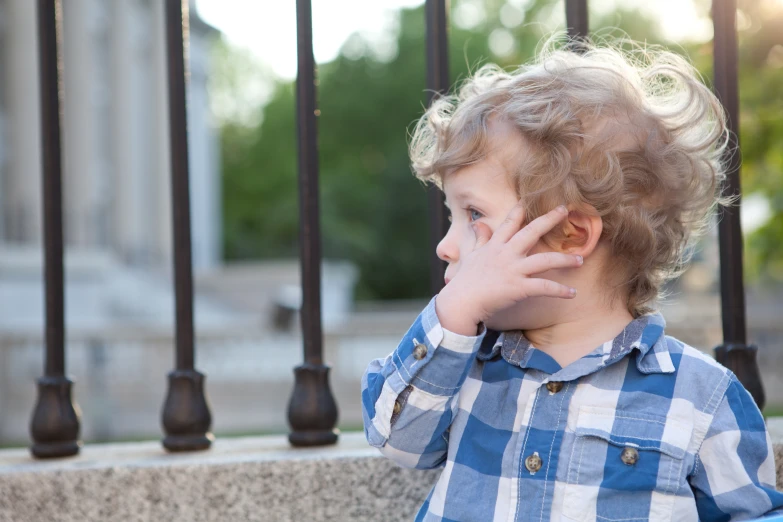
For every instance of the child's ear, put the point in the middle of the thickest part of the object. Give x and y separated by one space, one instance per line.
581 232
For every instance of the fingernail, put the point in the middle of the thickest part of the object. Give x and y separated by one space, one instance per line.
562 209
572 291
580 259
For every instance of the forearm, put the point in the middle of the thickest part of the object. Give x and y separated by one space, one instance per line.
408 398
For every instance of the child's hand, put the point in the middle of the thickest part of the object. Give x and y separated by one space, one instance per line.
497 274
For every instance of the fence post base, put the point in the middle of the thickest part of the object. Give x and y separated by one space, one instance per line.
312 411
741 359
55 423
186 415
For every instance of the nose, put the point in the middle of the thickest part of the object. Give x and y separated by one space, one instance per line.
447 249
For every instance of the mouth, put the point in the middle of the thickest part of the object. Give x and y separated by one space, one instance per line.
446 280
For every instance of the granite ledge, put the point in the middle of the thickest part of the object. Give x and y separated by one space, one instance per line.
242 479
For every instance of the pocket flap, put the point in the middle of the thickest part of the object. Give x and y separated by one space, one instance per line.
639 430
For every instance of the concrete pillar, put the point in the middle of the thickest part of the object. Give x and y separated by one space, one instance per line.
160 196
21 183
134 122
205 193
86 127
3 125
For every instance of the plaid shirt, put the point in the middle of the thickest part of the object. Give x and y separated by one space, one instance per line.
642 428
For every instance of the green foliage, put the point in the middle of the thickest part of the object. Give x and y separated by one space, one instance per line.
761 132
373 211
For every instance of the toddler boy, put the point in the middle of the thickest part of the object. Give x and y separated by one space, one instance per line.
540 378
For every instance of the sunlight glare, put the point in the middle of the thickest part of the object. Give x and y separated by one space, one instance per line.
268 28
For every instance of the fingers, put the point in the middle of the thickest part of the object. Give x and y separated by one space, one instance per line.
483 234
526 238
511 224
548 288
538 263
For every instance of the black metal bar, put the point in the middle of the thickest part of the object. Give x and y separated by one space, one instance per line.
437 84
55 423
176 33
186 416
312 410
734 353
50 39
577 19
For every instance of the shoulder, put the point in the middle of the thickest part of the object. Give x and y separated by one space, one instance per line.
687 359
702 393
700 379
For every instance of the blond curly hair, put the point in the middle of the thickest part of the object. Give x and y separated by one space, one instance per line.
633 134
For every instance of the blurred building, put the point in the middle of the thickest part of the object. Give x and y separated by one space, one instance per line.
116 179
118 243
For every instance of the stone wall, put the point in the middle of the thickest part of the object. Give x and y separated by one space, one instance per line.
254 479
250 479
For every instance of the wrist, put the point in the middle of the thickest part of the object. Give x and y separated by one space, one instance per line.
456 313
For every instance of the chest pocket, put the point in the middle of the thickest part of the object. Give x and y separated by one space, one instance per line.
624 466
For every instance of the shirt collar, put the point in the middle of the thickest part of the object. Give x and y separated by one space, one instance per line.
644 334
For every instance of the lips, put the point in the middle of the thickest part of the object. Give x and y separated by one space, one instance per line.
446 280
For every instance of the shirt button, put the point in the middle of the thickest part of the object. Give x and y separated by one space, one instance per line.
397 407
533 463
419 351
629 456
554 386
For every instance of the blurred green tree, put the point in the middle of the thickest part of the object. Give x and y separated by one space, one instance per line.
761 130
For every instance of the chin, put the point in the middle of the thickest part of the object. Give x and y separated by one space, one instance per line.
531 314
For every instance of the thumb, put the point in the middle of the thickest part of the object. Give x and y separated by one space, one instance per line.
483 234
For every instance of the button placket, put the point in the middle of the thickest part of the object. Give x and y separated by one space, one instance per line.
534 462
546 411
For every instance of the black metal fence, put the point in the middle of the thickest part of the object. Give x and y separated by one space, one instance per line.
312 411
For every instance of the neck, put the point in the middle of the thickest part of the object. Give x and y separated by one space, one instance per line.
589 324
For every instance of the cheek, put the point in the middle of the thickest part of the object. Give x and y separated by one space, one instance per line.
467 242
463 238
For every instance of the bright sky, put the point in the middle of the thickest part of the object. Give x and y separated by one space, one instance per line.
268 27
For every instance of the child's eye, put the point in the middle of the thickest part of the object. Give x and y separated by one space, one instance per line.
475 215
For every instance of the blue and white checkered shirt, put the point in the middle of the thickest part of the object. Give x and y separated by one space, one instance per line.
642 428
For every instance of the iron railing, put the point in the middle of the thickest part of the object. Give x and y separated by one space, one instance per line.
437 83
55 424
734 353
312 411
186 416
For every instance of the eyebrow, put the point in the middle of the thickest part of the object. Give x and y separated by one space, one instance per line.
463 195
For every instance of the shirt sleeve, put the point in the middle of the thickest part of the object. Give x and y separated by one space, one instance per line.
734 475
410 397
